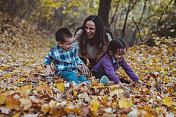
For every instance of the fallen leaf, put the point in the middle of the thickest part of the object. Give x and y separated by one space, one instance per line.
26 103
4 110
94 105
2 99
167 101
60 86
45 108
13 104
52 104
124 103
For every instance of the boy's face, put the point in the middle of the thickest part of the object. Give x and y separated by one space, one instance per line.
67 45
119 55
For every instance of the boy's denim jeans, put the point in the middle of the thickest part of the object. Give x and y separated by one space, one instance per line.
70 76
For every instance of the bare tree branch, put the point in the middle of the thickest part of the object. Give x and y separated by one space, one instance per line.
137 27
163 13
115 12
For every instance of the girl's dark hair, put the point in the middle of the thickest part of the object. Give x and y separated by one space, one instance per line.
116 44
62 33
100 39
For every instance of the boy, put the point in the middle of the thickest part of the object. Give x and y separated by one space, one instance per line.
65 58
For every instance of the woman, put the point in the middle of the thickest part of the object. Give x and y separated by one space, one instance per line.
93 39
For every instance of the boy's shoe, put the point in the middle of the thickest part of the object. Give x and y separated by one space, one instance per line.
104 80
122 80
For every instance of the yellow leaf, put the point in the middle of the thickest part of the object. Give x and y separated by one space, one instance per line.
45 83
2 99
68 103
45 108
167 101
75 93
60 86
12 104
17 115
40 82
170 89
115 104
94 105
22 79
153 35
56 113
160 110
26 103
124 103
52 104
148 84
157 42
6 76
16 82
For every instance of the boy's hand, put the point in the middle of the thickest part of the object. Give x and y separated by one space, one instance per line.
48 70
83 68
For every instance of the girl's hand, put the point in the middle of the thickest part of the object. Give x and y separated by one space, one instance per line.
48 70
124 86
83 68
140 82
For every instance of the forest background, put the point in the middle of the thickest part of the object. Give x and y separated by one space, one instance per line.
148 27
132 20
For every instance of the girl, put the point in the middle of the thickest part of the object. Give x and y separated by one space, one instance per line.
111 61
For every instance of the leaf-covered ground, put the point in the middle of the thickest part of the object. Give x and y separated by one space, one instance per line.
25 92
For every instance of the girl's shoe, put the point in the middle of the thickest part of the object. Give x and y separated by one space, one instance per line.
104 80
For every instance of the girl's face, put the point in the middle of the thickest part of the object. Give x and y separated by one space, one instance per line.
119 55
90 29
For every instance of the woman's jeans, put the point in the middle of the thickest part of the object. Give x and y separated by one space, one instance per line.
70 77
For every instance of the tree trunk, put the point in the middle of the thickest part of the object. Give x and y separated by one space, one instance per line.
132 40
103 11
131 5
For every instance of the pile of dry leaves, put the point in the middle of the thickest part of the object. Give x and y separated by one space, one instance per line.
24 91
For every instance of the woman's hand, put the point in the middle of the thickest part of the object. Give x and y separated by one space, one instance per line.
48 70
83 68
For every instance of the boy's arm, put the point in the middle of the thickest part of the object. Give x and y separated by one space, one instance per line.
48 59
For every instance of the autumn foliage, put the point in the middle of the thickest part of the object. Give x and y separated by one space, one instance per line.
25 91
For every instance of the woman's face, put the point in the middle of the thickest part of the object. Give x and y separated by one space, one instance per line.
90 29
